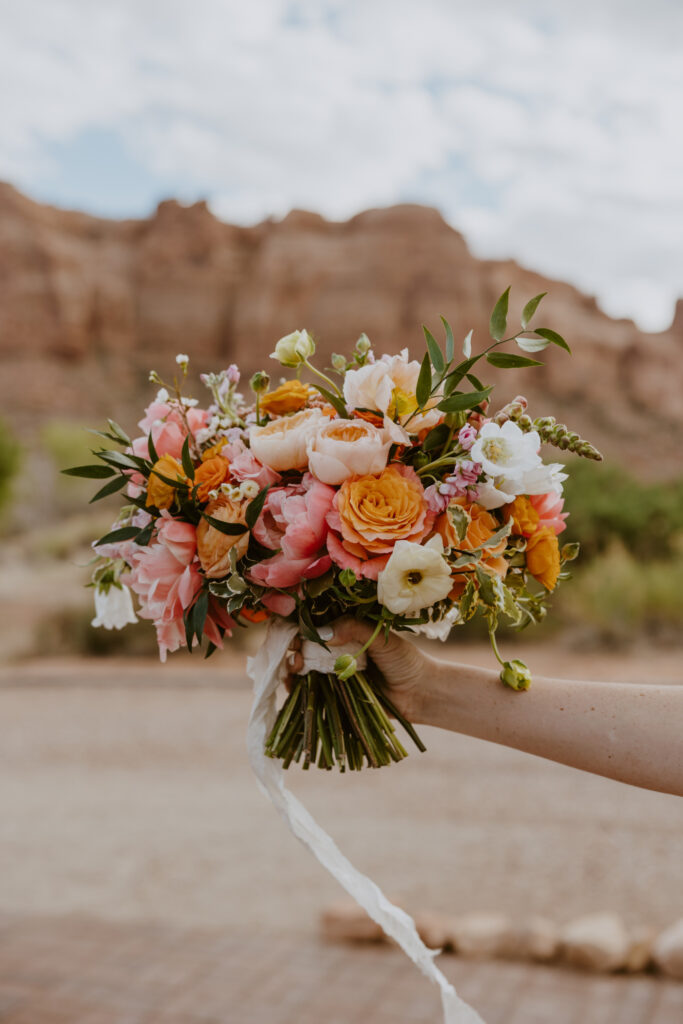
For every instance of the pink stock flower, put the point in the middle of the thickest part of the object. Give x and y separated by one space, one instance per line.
549 507
437 500
467 436
293 522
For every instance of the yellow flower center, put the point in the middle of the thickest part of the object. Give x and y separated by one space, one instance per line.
402 403
495 449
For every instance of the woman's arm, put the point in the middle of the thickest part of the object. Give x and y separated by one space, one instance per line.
624 731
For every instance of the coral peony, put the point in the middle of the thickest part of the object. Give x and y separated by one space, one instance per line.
549 509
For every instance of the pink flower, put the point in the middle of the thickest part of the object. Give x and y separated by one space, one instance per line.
467 436
279 604
549 507
245 466
293 522
167 428
437 500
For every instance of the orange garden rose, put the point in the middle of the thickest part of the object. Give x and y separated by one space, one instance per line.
159 493
377 510
213 547
210 475
524 516
480 528
288 397
543 557
214 450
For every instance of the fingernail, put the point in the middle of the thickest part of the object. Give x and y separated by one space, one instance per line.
326 633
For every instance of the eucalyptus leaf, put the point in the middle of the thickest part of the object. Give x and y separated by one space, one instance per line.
230 529
467 345
459 402
552 336
122 533
435 353
153 455
201 610
450 342
528 344
510 360
334 400
188 465
110 488
90 472
530 308
424 382
255 507
120 433
499 316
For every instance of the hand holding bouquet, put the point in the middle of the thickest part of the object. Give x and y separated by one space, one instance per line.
384 489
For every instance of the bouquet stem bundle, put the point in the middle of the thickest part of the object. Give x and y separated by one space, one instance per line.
326 720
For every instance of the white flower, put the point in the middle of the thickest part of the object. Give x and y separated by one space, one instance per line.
506 451
388 386
543 479
294 348
489 495
182 360
162 395
249 489
282 443
439 629
415 577
344 448
113 607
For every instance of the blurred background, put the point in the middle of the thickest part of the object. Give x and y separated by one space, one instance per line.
202 179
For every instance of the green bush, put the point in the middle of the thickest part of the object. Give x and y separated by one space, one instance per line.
9 463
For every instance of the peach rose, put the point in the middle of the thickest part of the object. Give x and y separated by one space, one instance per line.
214 547
344 448
210 475
281 444
388 386
159 493
371 513
480 528
288 397
543 557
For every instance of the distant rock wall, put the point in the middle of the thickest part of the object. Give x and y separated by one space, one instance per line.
88 306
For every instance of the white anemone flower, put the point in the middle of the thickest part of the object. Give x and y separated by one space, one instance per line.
439 629
415 577
113 607
543 479
492 494
506 451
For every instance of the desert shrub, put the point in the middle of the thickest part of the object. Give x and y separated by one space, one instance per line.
67 631
9 463
68 443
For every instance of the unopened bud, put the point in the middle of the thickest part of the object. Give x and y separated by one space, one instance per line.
363 345
345 666
260 382
569 552
516 675
338 362
294 349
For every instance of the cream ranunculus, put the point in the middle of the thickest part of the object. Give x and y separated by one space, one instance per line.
282 443
113 607
388 386
294 348
415 577
344 448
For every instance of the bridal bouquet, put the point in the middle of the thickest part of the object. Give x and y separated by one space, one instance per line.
385 489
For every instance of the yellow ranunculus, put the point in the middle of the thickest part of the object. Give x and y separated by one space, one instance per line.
543 557
160 493
288 397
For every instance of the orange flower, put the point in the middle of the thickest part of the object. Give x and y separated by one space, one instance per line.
369 417
214 450
288 397
255 615
210 475
159 493
524 516
213 547
543 557
377 510
480 528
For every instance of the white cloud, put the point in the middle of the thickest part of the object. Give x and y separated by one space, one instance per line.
550 133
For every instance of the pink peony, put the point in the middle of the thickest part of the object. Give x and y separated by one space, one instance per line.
245 466
167 428
549 507
293 522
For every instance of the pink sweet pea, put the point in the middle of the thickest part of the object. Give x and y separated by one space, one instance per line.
549 507
293 522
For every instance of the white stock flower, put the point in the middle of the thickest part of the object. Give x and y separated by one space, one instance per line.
506 451
113 607
294 348
415 577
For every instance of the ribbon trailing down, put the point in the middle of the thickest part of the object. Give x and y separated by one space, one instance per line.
266 671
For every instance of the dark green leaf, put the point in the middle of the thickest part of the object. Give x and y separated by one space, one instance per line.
509 360
210 649
186 458
458 372
435 353
151 449
119 432
450 343
145 535
499 316
424 382
436 438
111 488
553 336
231 529
122 461
334 400
459 402
201 609
91 472
475 382
123 533
189 628
255 507
530 308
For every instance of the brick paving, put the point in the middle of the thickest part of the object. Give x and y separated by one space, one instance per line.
77 970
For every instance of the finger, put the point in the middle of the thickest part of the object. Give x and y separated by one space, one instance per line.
350 630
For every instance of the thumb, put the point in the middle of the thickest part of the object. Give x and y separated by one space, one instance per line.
398 659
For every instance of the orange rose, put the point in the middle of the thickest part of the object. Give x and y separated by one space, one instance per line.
288 397
543 557
255 614
524 516
159 493
213 547
210 475
480 528
377 510
214 450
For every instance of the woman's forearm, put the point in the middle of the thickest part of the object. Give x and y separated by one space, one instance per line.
621 730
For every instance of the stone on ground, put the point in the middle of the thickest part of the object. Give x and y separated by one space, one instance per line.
480 934
596 942
345 921
668 950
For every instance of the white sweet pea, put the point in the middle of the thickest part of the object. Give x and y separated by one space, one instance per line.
294 348
113 607
506 451
415 577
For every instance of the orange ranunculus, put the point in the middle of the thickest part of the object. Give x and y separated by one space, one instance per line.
214 450
543 557
255 614
213 547
210 475
159 493
524 516
480 528
377 510
288 397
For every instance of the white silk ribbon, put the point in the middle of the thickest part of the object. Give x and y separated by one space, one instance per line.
266 671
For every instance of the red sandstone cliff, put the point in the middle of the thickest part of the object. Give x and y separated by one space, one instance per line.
88 305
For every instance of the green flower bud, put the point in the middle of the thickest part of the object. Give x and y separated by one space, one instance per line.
338 362
516 675
260 382
294 349
347 577
345 666
363 345
569 552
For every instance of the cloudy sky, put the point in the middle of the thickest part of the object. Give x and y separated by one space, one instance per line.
546 131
